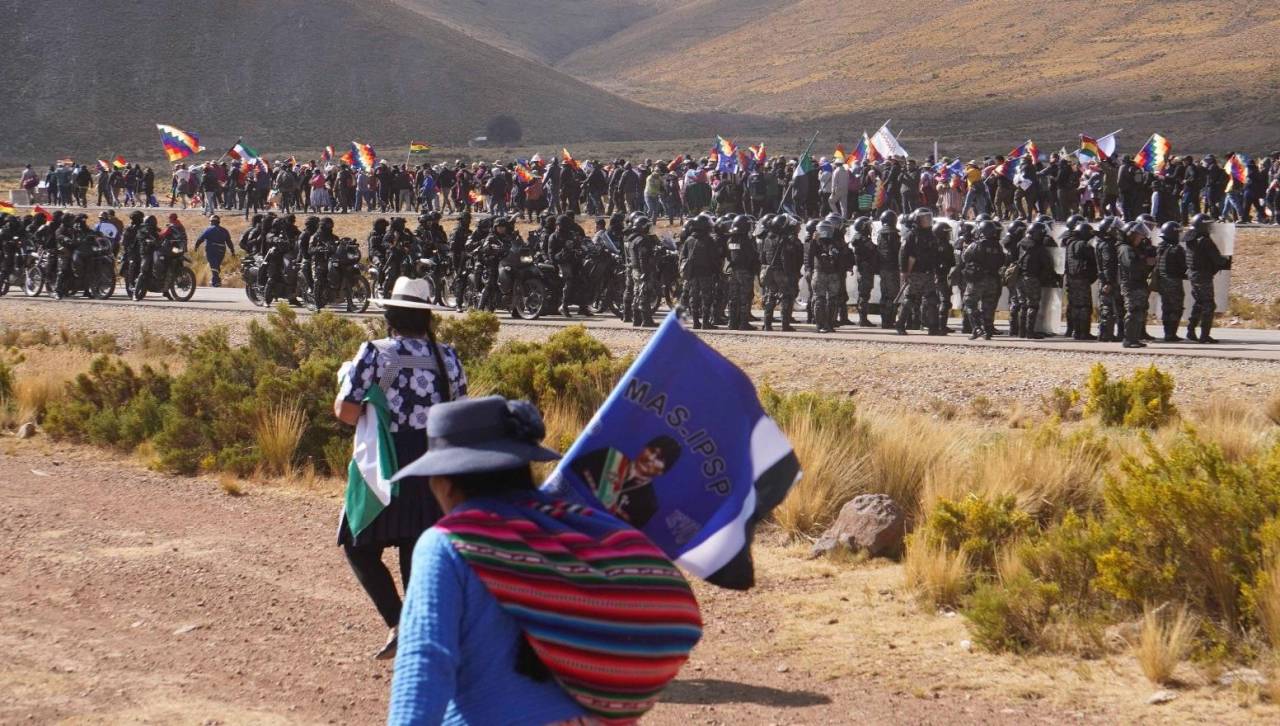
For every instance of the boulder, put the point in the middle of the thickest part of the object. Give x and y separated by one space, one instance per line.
871 523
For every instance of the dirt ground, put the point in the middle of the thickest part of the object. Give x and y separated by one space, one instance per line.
138 598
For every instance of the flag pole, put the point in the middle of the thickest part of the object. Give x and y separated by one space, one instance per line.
792 183
224 154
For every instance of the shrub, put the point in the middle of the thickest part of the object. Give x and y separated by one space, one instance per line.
1061 403
908 454
110 405
837 413
1187 525
471 335
1143 401
571 367
1012 614
977 527
1066 554
7 361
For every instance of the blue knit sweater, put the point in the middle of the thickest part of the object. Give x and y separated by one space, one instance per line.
455 662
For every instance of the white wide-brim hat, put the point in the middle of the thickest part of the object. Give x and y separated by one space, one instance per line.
408 292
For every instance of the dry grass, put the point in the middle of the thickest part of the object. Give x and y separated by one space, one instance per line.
1268 599
1238 428
1164 642
936 576
35 389
835 471
907 452
1271 409
564 423
1044 472
230 485
230 271
279 431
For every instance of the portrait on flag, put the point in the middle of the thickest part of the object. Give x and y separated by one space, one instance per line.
683 451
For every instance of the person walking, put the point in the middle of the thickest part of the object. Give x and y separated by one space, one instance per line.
216 240
389 387
522 607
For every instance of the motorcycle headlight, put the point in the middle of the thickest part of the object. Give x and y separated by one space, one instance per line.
175 250
526 259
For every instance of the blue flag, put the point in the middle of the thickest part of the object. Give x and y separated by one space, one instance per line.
683 450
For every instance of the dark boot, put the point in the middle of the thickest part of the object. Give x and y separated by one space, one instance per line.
1191 332
1171 333
863 320
1204 333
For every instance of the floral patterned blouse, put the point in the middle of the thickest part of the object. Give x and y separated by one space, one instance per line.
413 390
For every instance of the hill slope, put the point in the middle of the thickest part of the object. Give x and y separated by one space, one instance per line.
289 73
982 69
543 30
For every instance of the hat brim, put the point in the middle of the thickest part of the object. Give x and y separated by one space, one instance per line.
477 459
394 303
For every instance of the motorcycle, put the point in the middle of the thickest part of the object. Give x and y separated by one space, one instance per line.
253 270
96 275
605 275
346 276
171 274
520 283
18 272
41 264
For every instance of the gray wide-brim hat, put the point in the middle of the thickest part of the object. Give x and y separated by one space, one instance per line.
476 435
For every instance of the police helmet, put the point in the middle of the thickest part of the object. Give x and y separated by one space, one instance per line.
888 218
1082 230
641 223
1170 231
741 224
942 230
988 230
825 230
862 225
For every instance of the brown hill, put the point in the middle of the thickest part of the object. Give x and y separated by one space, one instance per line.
546 30
994 71
284 74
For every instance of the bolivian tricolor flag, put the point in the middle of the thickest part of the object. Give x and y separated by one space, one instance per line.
178 144
119 162
1238 169
40 211
1089 147
419 147
838 156
8 208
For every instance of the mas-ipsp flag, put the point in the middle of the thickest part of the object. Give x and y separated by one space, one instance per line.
683 451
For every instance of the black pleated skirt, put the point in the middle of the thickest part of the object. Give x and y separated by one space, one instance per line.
410 513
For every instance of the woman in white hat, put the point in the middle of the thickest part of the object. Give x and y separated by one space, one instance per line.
386 392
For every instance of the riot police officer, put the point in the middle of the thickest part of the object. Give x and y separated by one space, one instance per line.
1171 272
866 259
1204 261
1134 284
782 258
564 247
642 265
918 261
981 263
1081 273
824 255
889 247
744 266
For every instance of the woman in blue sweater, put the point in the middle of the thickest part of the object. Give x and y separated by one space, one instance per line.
518 601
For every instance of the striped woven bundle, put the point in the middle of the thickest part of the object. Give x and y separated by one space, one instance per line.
611 617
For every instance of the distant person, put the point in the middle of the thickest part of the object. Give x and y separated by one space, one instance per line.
216 240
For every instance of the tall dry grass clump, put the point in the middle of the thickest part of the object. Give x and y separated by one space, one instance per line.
564 424
907 452
1164 643
1236 427
936 575
1272 409
1267 596
1045 472
279 432
835 471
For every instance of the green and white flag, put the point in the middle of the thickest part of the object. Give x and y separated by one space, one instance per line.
243 152
373 463
805 164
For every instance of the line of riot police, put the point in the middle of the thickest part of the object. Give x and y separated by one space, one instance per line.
310 266
60 253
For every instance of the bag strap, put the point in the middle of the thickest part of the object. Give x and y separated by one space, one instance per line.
397 363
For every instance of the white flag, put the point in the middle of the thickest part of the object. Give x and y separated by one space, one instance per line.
886 143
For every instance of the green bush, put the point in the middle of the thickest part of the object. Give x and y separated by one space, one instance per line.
472 335
111 405
1066 555
1013 614
837 413
1190 526
571 369
977 527
1143 401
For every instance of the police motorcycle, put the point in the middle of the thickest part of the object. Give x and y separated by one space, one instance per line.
345 278
519 277
171 272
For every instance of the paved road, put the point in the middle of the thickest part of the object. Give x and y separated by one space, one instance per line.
1236 343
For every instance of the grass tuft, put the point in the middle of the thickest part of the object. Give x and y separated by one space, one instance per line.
938 577
279 432
1164 643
